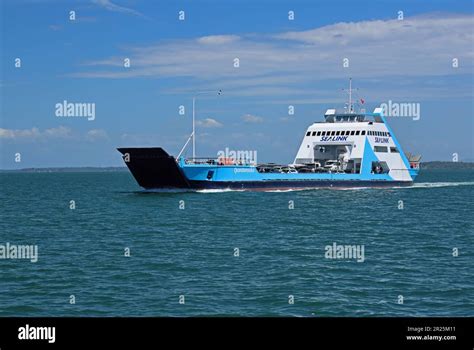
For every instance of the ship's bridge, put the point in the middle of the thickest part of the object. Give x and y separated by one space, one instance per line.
332 116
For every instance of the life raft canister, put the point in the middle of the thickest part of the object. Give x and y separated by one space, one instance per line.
225 161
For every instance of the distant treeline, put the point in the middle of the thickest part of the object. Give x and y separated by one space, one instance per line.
447 165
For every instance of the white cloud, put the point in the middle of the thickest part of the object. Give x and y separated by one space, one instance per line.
35 133
218 39
437 29
20 133
109 5
249 118
96 134
60 131
208 123
281 64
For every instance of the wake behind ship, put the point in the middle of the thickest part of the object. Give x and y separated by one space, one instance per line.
347 149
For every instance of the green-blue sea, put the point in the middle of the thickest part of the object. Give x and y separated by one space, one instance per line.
122 251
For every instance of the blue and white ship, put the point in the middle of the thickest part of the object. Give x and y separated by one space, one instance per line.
347 149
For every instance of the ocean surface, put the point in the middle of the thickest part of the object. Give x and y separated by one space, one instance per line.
190 252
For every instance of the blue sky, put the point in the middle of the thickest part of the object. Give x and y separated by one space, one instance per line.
282 63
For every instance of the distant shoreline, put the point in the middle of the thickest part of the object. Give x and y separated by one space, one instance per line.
447 165
424 165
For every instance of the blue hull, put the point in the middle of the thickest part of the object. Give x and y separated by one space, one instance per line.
154 168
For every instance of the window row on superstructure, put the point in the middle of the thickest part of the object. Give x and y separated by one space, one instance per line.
347 133
336 133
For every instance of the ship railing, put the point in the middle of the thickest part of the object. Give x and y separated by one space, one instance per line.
221 161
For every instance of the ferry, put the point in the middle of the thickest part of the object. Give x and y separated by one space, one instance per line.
347 149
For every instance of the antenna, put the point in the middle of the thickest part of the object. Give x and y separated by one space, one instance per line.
351 106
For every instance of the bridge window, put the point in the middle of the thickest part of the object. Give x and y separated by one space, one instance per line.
394 150
357 132
319 133
314 133
347 132
333 133
308 133
338 133
381 149
323 133
352 132
363 132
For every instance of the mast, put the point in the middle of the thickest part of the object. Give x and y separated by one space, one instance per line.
350 104
350 96
194 134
